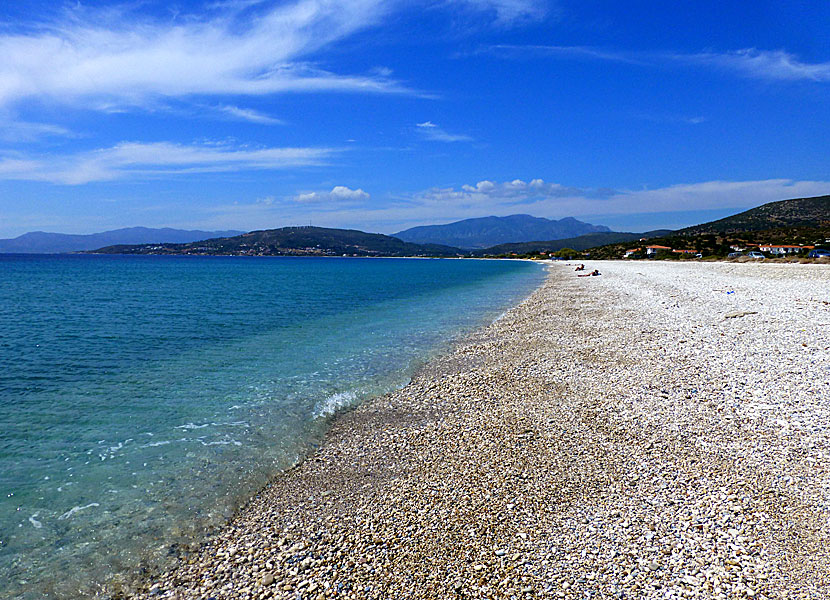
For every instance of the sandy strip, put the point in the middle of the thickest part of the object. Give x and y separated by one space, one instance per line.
661 431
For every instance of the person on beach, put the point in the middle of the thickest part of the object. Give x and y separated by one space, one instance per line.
593 273
580 268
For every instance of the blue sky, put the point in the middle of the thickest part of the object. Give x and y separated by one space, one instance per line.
381 115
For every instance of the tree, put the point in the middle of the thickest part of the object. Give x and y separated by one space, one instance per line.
567 253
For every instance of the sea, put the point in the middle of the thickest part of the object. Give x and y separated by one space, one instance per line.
144 399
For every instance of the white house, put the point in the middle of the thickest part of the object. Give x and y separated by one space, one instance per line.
780 249
652 250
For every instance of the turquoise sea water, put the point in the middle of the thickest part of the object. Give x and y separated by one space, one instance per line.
142 399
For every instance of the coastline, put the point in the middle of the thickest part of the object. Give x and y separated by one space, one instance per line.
542 457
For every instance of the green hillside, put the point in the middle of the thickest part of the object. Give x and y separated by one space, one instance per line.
293 241
796 213
582 242
797 222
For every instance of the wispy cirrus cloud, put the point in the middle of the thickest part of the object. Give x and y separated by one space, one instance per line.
510 11
127 58
432 132
24 131
669 118
123 57
562 52
147 160
248 114
776 65
771 65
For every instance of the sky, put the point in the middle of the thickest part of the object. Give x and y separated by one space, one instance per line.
382 115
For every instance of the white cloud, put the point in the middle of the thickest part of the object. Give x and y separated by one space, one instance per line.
507 193
133 159
492 198
668 118
247 114
509 11
339 193
546 199
22 131
129 59
771 65
762 64
574 52
116 57
709 195
432 132
552 200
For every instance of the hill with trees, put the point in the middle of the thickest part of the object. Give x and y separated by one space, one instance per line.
292 241
582 242
798 213
801 222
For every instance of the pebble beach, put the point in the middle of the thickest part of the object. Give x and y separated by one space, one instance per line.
659 431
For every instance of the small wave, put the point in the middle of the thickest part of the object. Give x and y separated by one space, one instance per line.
154 444
220 443
192 426
75 509
333 403
35 523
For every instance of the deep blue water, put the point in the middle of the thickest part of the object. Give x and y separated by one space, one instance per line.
142 399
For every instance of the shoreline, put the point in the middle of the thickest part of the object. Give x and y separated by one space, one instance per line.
519 464
134 586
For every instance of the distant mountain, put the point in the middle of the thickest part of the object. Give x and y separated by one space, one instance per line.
489 231
293 241
799 212
39 242
582 242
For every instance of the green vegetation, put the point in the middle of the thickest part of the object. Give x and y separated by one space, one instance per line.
580 243
799 213
567 253
798 222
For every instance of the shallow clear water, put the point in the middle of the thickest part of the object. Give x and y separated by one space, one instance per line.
142 399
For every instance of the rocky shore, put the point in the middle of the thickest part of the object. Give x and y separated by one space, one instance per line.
660 431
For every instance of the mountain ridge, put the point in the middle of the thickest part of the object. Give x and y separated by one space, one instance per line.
485 232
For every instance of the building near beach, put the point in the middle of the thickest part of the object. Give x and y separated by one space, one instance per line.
781 249
652 250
